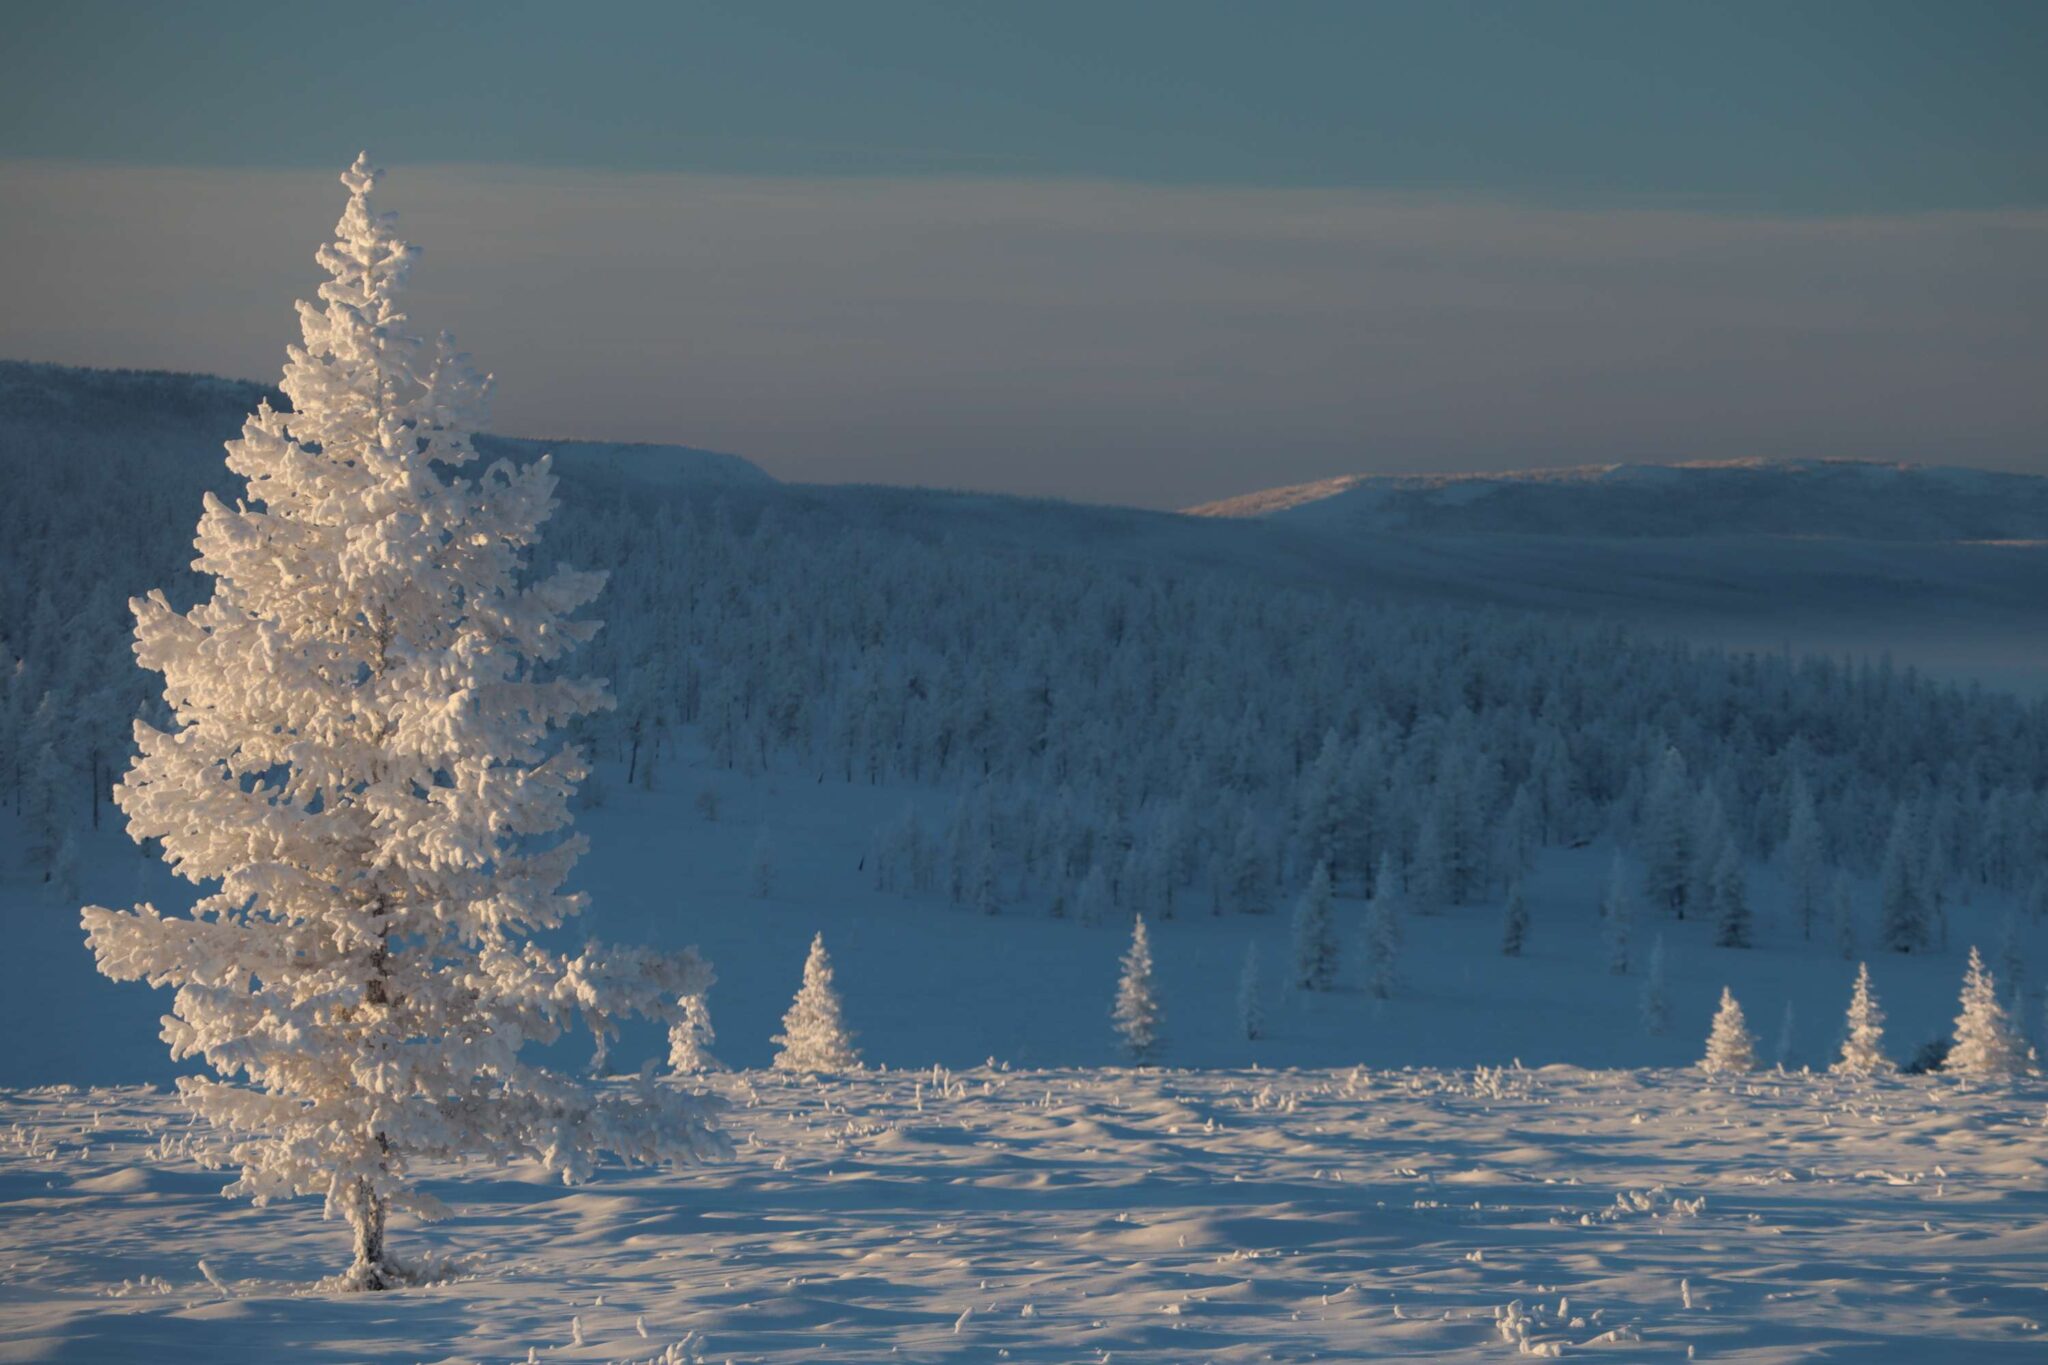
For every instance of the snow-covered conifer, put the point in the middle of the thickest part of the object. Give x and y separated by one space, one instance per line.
1247 880
1656 1006
1931 876
1514 922
1903 918
1731 899
1315 935
1383 931
1804 857
690 1039
1617 916
40 813
1430 873
1708 841
814 1035
361 760
1521 833
1987 1047
1730 1048
1251 1009
1863 1047
1665 833
1137 1014
1320 805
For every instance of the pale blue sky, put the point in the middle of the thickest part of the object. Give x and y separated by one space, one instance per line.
1176 250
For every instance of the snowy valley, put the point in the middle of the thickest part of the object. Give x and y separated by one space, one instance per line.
1288 932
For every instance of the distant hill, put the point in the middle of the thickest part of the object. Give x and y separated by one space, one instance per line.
181 414
1849 499
1946 569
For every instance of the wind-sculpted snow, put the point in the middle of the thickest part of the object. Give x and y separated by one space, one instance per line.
1070 1216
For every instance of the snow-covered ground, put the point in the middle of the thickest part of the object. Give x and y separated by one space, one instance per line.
928 982
1097 1215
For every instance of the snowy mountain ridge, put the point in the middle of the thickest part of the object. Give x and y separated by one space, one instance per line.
1826 498
202 411
1946 569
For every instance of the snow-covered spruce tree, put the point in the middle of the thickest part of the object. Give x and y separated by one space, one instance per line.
1514 922
1521 834
1731 900
1709 837
1987 1046
1245 877
1315 935
1805 858
1863 1046
1656 1005
1251 1009
43 821
1383 931
1617 918
1136 1012
1730 1047
690 1039
1903 919
360 757
1664 833
814 1035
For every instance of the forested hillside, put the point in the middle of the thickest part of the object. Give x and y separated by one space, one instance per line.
1119 732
